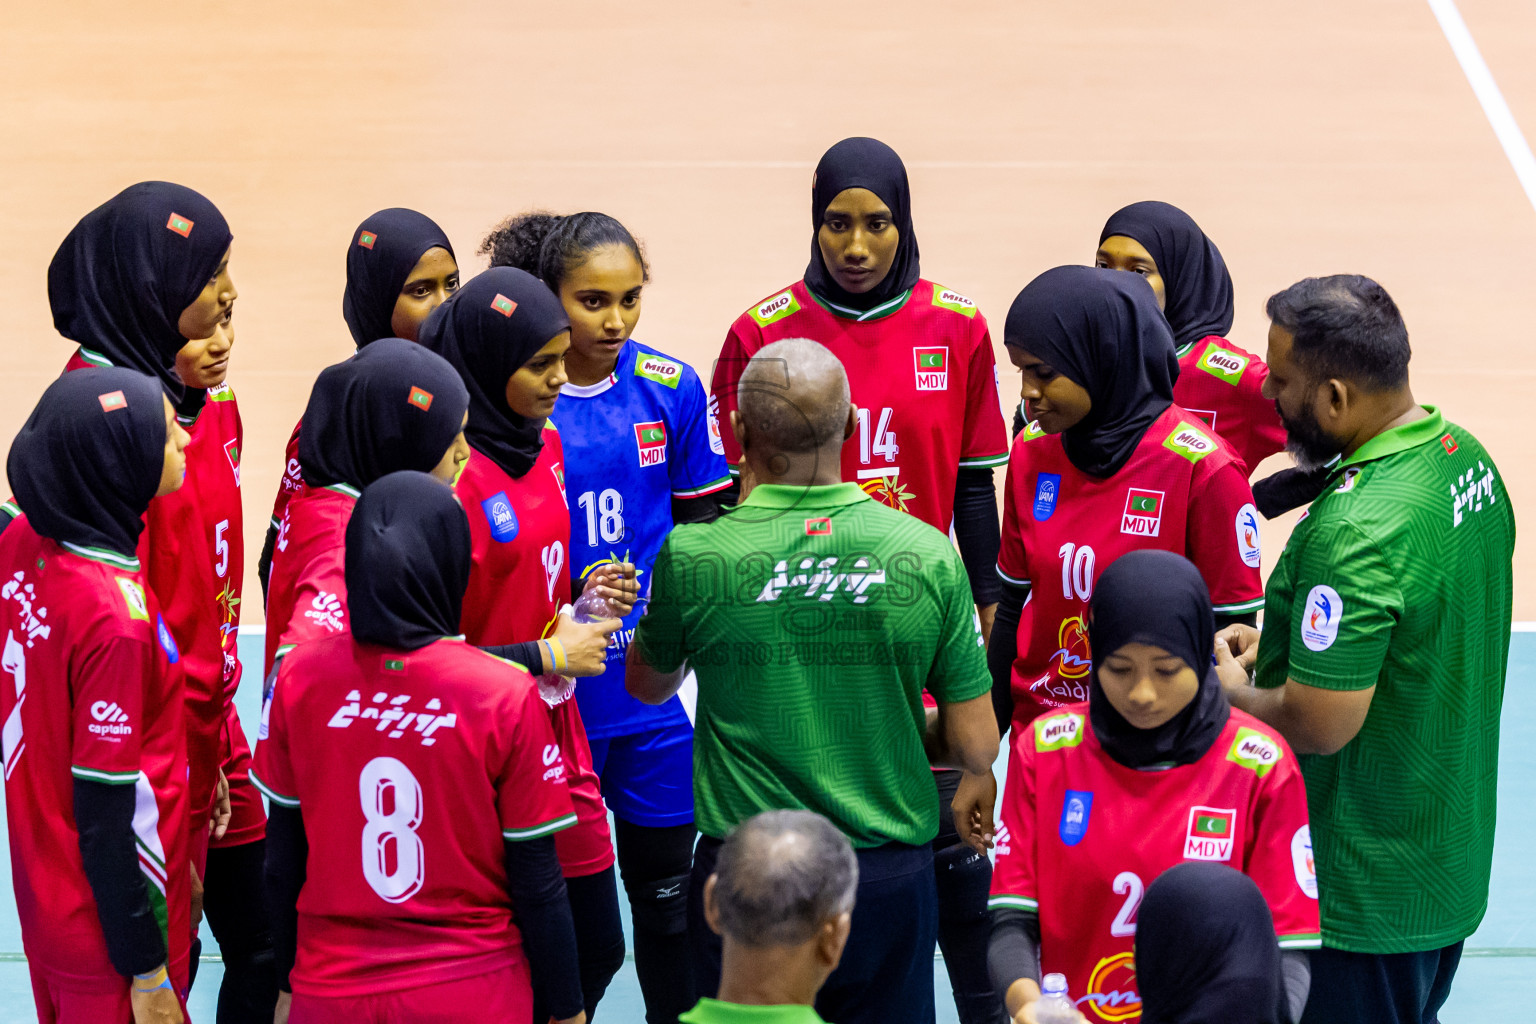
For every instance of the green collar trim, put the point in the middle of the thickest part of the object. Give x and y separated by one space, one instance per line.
94 358
885 308
347 489
1399 439
102 555
1184 349
796 496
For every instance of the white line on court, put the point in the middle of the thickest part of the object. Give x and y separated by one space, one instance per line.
1481 79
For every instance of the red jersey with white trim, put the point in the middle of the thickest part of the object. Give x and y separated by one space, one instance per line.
520 531
293 480
412 768
193 550
922 374
307 591
1082 836
1220 383
1183 490
90 689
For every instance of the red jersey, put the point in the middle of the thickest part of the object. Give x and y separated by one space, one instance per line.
1082 836
923 378
293 479
520 531
193 551
307 591
452 754
1183 490
90 688
1220 383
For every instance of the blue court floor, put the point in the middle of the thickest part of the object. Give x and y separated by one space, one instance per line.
1497 980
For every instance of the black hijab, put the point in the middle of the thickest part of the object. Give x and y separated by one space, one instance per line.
1157 598
1206 951
393 406
408 560
871 164
87 463
122 277
1196 285
488 329
1103 331
383 252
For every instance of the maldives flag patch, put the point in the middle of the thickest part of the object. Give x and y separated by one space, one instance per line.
366 238
180 225
1143 515
394 665
503 305
420 399
1209 836
1449 444
112 400
232 449
818 527
651 440
932 368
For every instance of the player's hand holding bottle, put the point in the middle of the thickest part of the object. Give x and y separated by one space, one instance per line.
613 586
153 1000
584 645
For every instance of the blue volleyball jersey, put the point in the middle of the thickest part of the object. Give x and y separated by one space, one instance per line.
633 442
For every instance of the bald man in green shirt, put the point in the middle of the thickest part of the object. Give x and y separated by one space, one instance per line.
814 619
1383 654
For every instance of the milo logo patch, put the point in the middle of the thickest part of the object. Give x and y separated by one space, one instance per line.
776 308
1255 751
662 371
1224 365
953 301
1055 732
1190 442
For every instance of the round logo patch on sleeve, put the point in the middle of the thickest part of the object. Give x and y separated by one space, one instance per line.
1248 535
1302 862
1320 618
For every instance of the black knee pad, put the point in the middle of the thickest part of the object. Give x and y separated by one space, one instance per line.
660 906
964 879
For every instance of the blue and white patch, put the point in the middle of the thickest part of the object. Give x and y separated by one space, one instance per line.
499 514
1047 489
1320 618
1247 527
167 642
1075 809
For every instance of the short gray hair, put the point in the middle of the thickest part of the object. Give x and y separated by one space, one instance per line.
782 875
794 395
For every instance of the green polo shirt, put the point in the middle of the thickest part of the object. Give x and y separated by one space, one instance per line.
712 1011
814 618
1400 577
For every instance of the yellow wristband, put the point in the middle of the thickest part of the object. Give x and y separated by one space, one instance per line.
557 653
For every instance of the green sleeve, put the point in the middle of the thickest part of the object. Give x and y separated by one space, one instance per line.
1347 603
959 670
659 636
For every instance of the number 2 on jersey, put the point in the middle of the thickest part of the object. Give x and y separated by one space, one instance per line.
882 443
1127 884
394 861
1076 571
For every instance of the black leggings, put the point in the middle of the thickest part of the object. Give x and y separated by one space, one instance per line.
234 902
599 937
963 878
655 863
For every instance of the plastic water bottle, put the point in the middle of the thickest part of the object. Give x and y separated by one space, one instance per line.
1055 1006
591 607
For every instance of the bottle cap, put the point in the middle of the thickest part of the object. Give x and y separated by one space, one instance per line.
1054 984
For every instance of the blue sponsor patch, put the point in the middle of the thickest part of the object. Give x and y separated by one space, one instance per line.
498 513
1075 807
1047 487
167 642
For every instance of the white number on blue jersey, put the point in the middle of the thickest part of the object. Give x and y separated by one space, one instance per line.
605 515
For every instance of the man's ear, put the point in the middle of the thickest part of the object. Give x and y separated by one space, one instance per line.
1335 401
852 423
832 939
711 909
739 429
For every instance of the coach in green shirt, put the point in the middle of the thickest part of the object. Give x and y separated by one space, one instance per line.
814 618
1382 660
